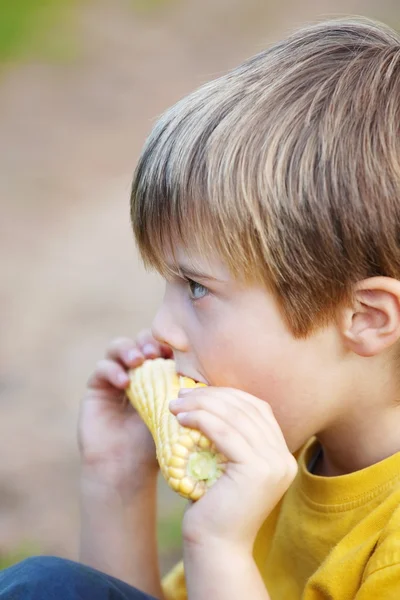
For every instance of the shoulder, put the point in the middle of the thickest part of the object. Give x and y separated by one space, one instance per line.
381 577
387 547
382 583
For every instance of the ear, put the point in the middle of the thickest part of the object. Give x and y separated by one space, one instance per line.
373 323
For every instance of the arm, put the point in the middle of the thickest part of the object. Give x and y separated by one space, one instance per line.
220 529
222 573
119 471
118 533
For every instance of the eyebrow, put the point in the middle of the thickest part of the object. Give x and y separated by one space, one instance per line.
193 273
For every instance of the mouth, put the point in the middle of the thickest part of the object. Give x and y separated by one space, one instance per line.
180 374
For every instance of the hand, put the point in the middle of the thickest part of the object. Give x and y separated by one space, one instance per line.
115 445
260 466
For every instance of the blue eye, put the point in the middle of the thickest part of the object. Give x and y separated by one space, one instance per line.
197 291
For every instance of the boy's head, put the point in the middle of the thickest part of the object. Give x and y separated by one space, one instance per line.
283 176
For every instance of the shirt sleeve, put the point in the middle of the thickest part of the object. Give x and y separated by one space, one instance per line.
384 583
174 584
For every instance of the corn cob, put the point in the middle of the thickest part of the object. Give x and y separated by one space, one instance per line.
189 461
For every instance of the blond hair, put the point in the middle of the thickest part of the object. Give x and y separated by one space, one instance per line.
288 167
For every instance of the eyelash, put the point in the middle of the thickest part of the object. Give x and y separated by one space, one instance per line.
190 283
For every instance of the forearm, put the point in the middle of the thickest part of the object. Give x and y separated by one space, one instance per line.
222 574
118 533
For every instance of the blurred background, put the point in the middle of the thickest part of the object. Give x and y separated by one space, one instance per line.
81 84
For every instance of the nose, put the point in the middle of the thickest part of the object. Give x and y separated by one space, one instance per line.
167 331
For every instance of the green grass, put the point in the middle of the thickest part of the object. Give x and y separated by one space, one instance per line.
9 558
41 28
35 28
169 531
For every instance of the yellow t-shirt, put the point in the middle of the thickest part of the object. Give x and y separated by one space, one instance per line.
329 538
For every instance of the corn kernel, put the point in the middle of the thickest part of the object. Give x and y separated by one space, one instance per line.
177 461
178 473
189 461
187 485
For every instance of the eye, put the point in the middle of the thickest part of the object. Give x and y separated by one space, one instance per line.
197 291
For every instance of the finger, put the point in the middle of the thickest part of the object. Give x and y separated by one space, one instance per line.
258 408
263 407
150 347
257 434
125 351
226 439
109 374
258 430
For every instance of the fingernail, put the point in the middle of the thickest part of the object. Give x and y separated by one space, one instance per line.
184 391
133 355
149 349
122 378
175 402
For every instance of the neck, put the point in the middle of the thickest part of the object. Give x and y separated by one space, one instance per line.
359 438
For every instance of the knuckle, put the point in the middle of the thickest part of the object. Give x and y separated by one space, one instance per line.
287 470
120 342
133 355
266 411
292 467
115 368
222 433
194 401
266 407
201 402
104 367
255 411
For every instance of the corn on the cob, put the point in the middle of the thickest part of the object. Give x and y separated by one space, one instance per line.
189 461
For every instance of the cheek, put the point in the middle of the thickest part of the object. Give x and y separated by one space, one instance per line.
267 369
246 363
284 389
263 379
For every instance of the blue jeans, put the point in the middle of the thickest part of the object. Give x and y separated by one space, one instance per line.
52 578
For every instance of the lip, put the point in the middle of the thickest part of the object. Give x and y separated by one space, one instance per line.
196 379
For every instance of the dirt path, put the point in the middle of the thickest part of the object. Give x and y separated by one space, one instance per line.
70 136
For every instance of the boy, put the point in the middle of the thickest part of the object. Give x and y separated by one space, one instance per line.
270 201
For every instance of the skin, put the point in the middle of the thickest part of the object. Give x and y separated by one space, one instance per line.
339 384
268 394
